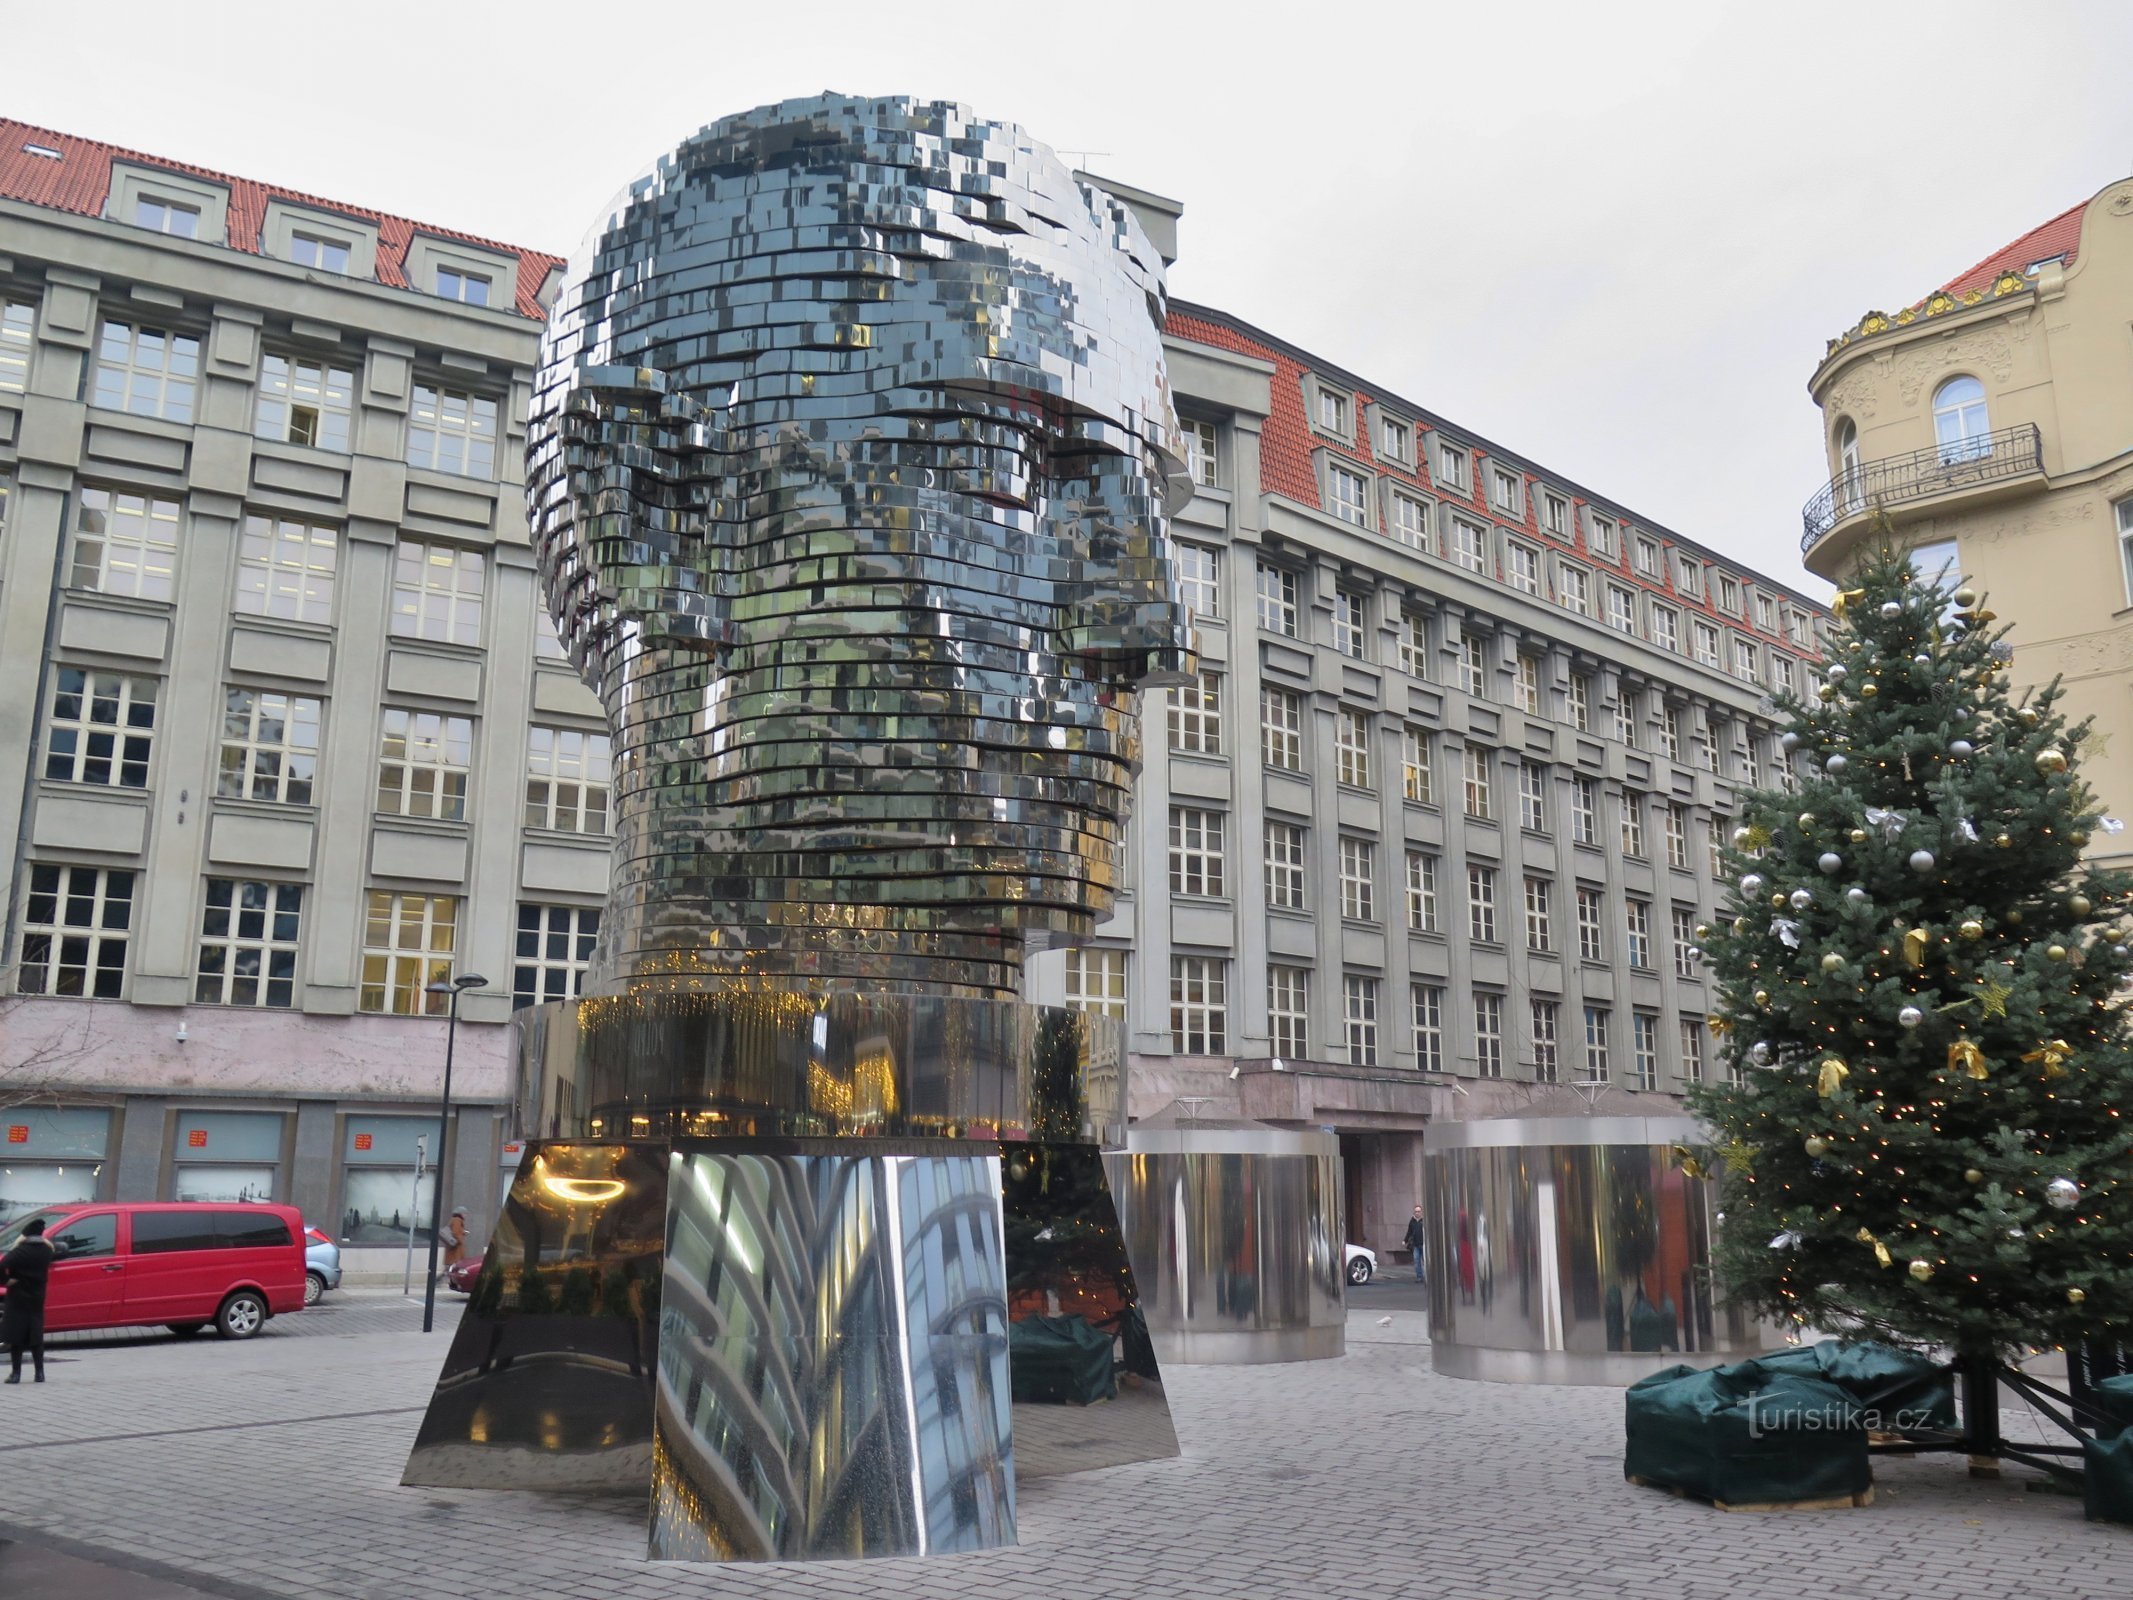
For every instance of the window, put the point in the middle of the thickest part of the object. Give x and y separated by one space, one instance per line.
1095 980
1333 412
450 430
1421 892
1676 822
1507 492
1410 521
1200 452
1533 796
1200 579
468 288
1707 644
380 1201
1529 685
2124 509
1199 1005
149 372
1729 594
1196 716
1288 1011
555 946
99 728
1744 660
1359 870
1277 600
1426 1001
1684 942
1937 566
567 775
248 943
1453 465
1666 627
18 322
1488 1033
1346 490
1359 1011
166 216
1349 627
1416 779
1637 920
1596 1067
303 402
125 544
1591 946
1670 732
1473 668
1351 747
422 764
1521 567
309 250
1195 851
1396 439
1797 629
1633 824
1584 810
1626 716
1959 421
1621 609
269 746
1555 515
1474 769
75 922
1414 633
1781 673
1481 903
1281 728
1285 866
1540 916
408 942
1691 582
1717 842
285 568
1573 589
1707 749
1581 702
1692 1049
1544 1058
1644 1050
1469 545
1765 613
437 592
1648 557
1603 538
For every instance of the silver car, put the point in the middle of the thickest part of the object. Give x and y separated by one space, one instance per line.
322 1264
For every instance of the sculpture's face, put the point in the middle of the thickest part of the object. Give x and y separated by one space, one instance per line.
849 461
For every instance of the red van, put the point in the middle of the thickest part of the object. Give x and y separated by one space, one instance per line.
184 1265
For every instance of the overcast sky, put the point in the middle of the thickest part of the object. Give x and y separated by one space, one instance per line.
1611 237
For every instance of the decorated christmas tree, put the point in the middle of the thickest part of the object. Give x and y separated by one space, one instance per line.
1915 974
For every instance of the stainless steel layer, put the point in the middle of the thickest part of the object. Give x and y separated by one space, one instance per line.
1235 1237
1571 1250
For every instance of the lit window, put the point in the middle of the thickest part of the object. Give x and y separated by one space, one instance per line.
408 944
1351 747
248 943
18 321
1277 600
1521 568
567 777
1199 1005
167 216
1200 452
1281 728
309 250
1347 490
1644 1049
1584 810
1285 866
1350 630
1540 916
75 924
1591 941
304 402
1200 580
285 568
1481 903
1410 521
1288 1010
149 372
269 746
100 728
1421 892
1544 1029
1359 868
1196 715
1415 775
125 544
1195 851
468 288
437 592
1637 922
554 952
1533 796
1427 1003
423 759
1469 545
1596 1052
450 430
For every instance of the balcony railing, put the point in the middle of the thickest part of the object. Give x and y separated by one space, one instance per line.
1942 469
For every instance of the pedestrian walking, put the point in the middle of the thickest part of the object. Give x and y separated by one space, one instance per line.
1417 1236
24 1270
455 1238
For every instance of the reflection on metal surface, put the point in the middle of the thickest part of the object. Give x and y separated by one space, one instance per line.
1570 1250
1235 1234
549 1381
833 1354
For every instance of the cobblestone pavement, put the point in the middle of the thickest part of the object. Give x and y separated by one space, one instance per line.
271 1469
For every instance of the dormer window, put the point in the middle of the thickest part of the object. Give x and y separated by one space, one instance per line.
468 288
1399 440
309 250
165 216
1333 412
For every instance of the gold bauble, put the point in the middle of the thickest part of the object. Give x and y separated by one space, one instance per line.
1806 820
1762 997
1972 1175
2029 717
1965 597
1740 925
1777 901
1815 1145
1833 962
2051 761
2014 917
1921 1269
1703 930
1869 689
1858 836
2079 838
1826 691
2004 841
2080 905
1971 928
2055 952
2076 1296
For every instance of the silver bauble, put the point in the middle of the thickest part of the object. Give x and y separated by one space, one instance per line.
1801 899
1856 895
2121 951
1961 748
1788 742
1891 610
1830 862
1752 884
2063 1194
1835 765
1910 1016
1837 674
1922 861
1759 1053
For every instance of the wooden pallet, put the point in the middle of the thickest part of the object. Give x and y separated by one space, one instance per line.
1834 1502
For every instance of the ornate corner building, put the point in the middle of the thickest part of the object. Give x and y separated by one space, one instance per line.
1992 422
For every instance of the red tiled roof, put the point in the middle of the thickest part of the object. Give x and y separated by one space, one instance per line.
2059 237
80 182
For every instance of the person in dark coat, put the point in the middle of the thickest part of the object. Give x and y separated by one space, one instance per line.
1417 1238
25 1270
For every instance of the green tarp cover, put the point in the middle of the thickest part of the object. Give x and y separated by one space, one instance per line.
2107 1477
2114 1398
1899 1391
1746 1434
1059 1361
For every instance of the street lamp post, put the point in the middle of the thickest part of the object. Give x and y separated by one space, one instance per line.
453 987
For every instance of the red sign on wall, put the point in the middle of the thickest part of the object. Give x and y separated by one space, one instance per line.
18 1133
363 1141
196 1138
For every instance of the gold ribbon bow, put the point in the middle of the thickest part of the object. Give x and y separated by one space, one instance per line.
1846 599
1831 1073
1914 947
1687 1162
1756 836
1881 1251
1966 1057
1717 1023
2053 1054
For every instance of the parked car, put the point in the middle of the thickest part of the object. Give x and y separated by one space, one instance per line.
461 1275
1362 1263
184 1265
322 1264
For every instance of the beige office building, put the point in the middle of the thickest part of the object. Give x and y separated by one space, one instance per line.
1993 423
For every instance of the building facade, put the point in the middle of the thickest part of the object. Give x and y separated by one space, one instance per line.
1432 836
1993 423
285 741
